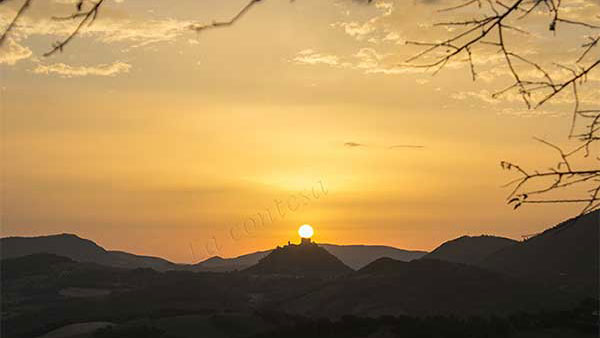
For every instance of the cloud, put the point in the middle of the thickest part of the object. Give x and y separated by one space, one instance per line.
367 60
310 57
511 103
353 144
356 30
406 146
140 33
482 95
12 52
65 70
392 36
396 146
372 30
530 112
108 30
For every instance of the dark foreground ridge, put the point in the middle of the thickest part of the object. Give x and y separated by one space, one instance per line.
536 288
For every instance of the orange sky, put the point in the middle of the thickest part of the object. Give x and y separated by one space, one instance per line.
149 138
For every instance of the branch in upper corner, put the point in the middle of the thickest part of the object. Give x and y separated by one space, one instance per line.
234 19
87 17
13 22
490 30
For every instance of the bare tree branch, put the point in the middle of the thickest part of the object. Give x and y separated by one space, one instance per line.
89 16
13 22
218 24
479 32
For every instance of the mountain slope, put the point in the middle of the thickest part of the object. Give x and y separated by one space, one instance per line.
565 256
67 245
469 250
423 287
357 256
220 264
84 250
307 259
80 250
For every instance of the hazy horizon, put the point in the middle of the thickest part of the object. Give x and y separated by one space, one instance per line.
148 138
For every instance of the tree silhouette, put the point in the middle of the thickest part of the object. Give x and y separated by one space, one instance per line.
497 17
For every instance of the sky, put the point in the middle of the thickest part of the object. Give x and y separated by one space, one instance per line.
148 137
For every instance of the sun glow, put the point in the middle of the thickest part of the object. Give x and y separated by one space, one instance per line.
306 231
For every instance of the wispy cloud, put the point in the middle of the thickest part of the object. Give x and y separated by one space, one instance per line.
353 144
396 146
371 30
359 31
136 33
406 146
367 60
482 95
65 70
530 112
12 52
310 57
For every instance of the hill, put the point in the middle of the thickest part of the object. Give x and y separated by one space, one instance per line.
423 287
80 250
306 259
84 250
357 256
564 256
469 250
220 264
44 292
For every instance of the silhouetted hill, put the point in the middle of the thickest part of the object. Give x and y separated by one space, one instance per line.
384 266
78 249
423 287
357 256
469 250
84 250
219 264
307 259
66 245
565 256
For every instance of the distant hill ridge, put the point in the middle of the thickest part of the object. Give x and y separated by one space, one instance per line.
565 255
85 250
470 249
220 264
358 256
79 249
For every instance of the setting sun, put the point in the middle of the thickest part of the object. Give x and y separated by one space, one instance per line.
306 231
